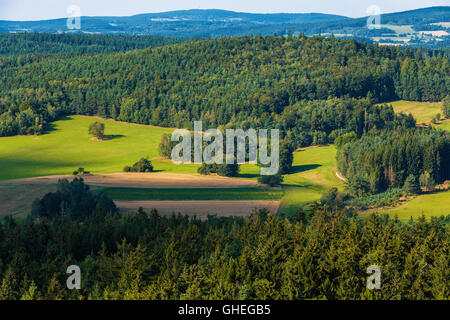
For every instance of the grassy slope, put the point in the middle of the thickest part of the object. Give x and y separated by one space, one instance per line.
434 204
314 173
68 146
423 112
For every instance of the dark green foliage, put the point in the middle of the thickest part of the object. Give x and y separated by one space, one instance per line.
97 129
411 185
205 169
225 170
166 145
427 181
80 171
286 157
143 165
74 200
314 88
345 138
383 160
233 249
333 198
446 107
388 198
271 180
320 255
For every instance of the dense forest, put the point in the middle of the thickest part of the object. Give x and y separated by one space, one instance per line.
76 44
322 254
382 160
240 81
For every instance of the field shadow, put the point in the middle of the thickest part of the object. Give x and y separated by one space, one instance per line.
51 127
113 136
304 167
248 175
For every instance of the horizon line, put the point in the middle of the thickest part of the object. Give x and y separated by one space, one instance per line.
215 9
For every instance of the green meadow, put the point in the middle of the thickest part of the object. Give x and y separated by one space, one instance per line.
314 172
423 112
68 146
430 205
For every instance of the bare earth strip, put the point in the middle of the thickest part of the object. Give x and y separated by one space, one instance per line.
150 180
201 208
16 196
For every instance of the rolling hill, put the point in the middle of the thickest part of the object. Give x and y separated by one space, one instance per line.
424 27
188 23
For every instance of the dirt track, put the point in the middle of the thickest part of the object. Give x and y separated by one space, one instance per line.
149 180
203 208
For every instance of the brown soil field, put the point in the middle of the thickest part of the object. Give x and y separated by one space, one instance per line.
201 208
16 199
17 196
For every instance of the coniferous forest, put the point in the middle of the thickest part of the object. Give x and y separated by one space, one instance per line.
318 255
238 81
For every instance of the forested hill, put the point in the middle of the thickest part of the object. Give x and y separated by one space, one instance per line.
285 82
76 44
412 28
184 23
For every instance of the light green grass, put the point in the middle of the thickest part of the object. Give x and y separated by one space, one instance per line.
193 194
423 112
314 173
68 146
434 204
444 125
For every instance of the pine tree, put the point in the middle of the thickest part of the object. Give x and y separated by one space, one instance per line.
411 185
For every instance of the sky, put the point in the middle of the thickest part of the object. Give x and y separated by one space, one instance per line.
51 9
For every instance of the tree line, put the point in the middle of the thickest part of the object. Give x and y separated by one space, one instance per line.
20 44
320 254
386 159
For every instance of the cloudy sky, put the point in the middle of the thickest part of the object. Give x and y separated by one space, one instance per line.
50 9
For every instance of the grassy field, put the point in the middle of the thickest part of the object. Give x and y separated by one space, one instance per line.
68 146
423 112
314 173
194 194
434 204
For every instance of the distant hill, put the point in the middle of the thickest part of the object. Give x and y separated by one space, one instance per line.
188 23
75 44
408 27
421 27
